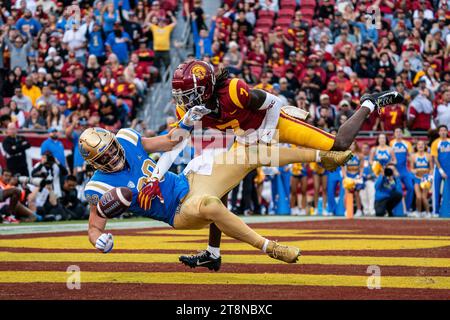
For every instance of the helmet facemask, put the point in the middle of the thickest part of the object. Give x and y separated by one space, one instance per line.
189 98
112 159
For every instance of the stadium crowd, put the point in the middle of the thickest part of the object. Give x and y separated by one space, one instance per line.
64 69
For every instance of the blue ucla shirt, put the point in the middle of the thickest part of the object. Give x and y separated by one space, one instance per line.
440 149
382 156
401 149
139 166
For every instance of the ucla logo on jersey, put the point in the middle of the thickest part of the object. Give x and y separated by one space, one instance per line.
400 147
422 160
444 148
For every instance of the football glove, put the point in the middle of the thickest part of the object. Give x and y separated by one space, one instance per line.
149 192
194 114
105 242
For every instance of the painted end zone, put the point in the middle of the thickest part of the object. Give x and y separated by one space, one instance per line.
411 257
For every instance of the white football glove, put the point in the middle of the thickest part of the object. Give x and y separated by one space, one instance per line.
194 114
105 242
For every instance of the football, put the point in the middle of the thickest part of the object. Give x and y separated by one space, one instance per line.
114 202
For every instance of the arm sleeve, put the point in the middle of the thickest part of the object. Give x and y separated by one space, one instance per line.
165 161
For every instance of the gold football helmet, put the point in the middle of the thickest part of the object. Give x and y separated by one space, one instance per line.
100 148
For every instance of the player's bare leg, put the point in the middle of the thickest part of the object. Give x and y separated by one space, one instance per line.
369 102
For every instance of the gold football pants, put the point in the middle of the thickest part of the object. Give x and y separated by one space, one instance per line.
294 131
202 205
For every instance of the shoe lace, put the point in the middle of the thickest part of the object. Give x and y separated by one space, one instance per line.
279 250
200 254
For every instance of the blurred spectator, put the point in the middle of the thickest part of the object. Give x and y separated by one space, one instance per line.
54 146
443 110
161 40
203 39
30 90
15 146
35 121
420 110
118 42
19 49
235 59
388 191
23 102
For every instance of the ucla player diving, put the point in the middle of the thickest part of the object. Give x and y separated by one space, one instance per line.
190 200
402 148
421 164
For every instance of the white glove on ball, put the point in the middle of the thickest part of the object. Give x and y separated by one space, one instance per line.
105 242
194 114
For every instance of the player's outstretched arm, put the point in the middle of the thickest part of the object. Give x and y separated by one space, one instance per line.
165 142
96 232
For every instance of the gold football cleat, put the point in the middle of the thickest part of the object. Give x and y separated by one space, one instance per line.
331 160
281 252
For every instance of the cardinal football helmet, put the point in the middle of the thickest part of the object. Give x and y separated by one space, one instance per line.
100 148
193 83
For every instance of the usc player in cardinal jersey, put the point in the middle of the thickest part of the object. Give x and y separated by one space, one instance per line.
257 116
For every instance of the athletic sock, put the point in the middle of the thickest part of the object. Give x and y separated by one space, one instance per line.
368 104
215 252
264 248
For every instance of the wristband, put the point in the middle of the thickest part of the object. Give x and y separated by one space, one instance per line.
185 127
441 171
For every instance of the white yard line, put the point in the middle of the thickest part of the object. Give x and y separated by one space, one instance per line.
129 224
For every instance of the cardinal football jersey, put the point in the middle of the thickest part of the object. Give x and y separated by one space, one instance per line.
234 111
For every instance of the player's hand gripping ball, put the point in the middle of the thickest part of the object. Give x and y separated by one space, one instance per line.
149 192
114 202
105 242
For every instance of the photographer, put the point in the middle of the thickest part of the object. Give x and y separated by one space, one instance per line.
72 206
388 191
49 168
44 201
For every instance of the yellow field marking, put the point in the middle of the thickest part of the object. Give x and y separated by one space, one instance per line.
235 258
182 243
226 278
298 233
263 231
